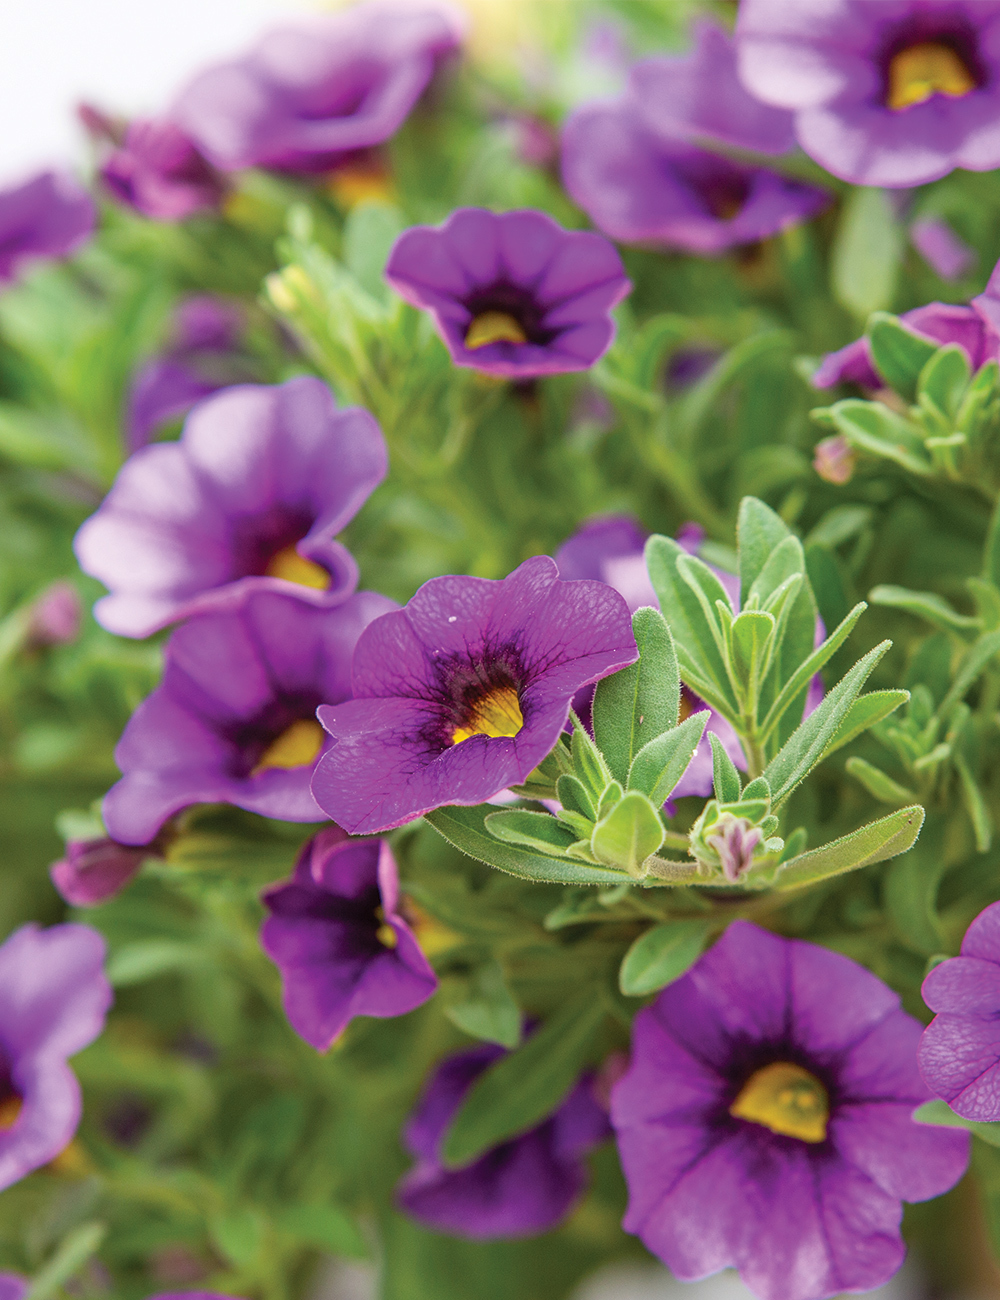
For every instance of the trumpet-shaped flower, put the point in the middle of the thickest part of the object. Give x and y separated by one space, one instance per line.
158 171
251 497
464 691
512 293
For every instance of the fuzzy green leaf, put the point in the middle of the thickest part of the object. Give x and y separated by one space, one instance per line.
661 763
877 782
662 955
898 353
725 776
640 702
925 604
630 832
876 842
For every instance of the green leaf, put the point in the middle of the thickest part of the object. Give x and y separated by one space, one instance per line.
807 744
877 782
944 379
865 712
640 702
757 789
979 407
465 828
898 353
785 561
725 775
662 955
876 842
940 1114
145 959
489 1012
325 1226
238 1234
867 252
370 230
751 638
588 763
872 427
708 590
759 533
533 830
528 1085
661 763
991 551
574 795
925 604
975 660
975 804
74 1251
627 836
806 670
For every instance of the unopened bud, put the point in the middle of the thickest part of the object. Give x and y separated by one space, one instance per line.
834 460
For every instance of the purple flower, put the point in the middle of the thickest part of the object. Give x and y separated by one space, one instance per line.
896 93
610 549
512 293
310 96
960 1050
643 188
970 327
55 615
47 216
234 719
251 497
465 690
765 1121
941 248
95 870
336 936
523 1187
834 460
53 999
699 95
158 171
199 361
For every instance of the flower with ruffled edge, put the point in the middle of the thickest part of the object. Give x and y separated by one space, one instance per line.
47 216
765 1122
699 94
960 1051
896 93
311 95
53 1000
158 171
512 293
522 1187
234 719
610 549
641 187
337 937
251 497
461 693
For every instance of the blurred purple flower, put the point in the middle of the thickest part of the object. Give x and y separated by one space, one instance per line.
512 293
765 1121
337 937
53 999
250 498
960 1050
158 171
699 94
47 216
465 690
15 1287
834 459
643 188
522 1187
893 94
95 870
234 719
311 95
941 248
55 615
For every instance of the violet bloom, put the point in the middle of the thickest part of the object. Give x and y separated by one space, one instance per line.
234 719
700 95
200 359
47 216
53 999
158 171
942 250
310 95
465 690
95 870
512 293
640 187
522 1187
765 1121
610 549
337 937
971 327
251 497
960 1050
896 93
55 615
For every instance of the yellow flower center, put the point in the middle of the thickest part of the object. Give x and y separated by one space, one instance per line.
293 567
297 746
496 714
10 1108
926 69
786 1099
493 327
353 185
385 934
